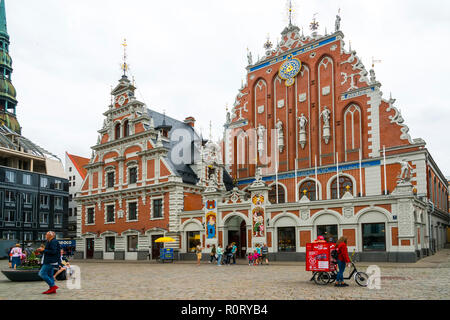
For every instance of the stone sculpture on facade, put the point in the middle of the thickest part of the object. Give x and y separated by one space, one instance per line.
279 127
260 131
325 115
249 57
338 23
303 122
405 173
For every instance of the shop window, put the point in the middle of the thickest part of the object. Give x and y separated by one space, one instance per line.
286 239
374 237
193 240
330 232
344 184
110 243
132 243
273 194
308 188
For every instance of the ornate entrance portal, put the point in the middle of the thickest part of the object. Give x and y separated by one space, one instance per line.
236 231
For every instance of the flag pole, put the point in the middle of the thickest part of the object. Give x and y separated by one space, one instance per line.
276 163
315 169
360 172
384 160
296 182
337 169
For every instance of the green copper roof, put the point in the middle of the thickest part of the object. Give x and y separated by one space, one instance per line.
3 28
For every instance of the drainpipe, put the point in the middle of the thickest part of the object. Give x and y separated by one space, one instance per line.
430 244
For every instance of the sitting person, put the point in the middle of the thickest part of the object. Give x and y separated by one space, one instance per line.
63 265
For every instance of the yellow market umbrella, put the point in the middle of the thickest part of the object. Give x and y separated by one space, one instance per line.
165 239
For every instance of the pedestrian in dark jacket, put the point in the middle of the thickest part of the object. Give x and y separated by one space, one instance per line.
342 260
228 254
51 258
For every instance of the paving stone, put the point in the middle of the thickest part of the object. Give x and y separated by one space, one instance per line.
123 281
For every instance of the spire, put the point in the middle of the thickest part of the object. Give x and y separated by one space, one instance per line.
125 64
3 28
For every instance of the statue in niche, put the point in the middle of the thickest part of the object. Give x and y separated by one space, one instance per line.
260 131
279 127
303 122
325 115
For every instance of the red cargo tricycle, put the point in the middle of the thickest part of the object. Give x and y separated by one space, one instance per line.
324 267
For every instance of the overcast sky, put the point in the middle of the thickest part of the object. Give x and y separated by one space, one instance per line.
189 57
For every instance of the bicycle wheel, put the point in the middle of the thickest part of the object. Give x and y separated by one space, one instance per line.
362 279
322 278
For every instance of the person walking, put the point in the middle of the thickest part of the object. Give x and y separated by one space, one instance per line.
51 257
343 260
213 253
228 255
234 251
264 253
16 255
219 255
198 251
258 251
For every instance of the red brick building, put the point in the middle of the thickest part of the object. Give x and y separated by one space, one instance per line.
313 149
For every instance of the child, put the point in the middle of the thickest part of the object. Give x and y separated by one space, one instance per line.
255 258
251 259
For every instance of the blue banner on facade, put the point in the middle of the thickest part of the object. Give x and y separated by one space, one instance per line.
67 243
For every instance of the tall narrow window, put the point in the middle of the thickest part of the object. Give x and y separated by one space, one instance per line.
157 208
126 129
90 216
110 178
132 211
132 172
117 131
110 213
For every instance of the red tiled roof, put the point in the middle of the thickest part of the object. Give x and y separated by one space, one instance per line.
79 163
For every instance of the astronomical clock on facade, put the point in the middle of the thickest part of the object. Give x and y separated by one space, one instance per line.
311 147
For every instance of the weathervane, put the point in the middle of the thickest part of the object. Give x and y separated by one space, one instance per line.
290 12
124 65
314 24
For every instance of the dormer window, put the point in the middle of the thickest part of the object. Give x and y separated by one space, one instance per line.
117 131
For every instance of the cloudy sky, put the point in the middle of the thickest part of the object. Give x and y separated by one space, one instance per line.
189 57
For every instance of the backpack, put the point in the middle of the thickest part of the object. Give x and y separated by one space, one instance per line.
335 254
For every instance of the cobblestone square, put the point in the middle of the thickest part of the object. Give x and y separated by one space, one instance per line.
424 280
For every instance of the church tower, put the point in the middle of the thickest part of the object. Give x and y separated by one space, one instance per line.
8 100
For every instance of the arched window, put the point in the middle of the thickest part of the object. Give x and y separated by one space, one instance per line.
344 182
308 188
273 194
117 131
126 129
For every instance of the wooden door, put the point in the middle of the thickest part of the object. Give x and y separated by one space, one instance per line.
89 248
156 246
